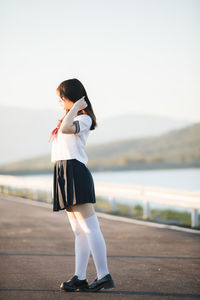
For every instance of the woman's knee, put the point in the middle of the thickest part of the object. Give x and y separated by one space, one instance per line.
90 225
76 228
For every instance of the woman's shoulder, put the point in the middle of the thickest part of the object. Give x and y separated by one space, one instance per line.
83 117
85 121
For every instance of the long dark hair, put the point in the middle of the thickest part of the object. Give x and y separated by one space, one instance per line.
73 89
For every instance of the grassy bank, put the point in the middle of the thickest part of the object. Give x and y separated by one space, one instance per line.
166 216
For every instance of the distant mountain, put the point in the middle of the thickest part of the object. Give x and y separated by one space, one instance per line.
129 126
25 132
175 149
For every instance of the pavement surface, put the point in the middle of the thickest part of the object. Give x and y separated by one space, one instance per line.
37 254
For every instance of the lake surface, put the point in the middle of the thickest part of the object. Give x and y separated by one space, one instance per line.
185 179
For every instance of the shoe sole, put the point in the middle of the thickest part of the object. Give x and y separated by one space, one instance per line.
106 285
72 290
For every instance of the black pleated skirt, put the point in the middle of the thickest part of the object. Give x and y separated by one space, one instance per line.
72 184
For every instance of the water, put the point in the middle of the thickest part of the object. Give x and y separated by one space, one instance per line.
184 179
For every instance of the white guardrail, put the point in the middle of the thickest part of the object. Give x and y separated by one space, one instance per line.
112 191
149 194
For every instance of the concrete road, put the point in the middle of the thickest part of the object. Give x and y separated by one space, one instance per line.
37 254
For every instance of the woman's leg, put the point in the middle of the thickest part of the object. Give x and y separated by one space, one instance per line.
88 220
82 248
82 210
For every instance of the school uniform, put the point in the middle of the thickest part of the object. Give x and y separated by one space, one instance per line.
72 180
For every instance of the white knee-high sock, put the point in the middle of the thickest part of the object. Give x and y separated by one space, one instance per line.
82 248
97 244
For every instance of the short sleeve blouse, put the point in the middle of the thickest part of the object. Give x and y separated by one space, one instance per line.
69 146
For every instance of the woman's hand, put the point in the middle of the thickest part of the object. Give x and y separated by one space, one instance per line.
80 104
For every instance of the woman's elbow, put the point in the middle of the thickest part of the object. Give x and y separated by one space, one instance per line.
68 130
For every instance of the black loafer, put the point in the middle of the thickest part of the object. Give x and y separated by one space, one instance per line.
106 282
74 284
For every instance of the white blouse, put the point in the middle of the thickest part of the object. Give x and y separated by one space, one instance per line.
69 146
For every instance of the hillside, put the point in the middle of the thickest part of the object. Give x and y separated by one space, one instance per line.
175 149
28 130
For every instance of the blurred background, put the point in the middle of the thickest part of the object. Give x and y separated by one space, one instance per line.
139 62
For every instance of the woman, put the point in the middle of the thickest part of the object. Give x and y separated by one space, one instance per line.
73 186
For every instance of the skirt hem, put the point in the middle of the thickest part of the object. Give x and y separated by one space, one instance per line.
73 205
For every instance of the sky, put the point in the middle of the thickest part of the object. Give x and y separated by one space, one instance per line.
132 56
